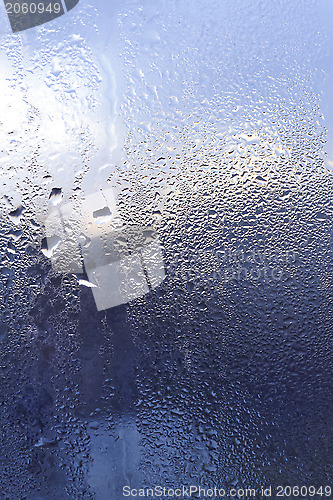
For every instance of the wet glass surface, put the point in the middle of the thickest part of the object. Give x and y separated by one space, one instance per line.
210 124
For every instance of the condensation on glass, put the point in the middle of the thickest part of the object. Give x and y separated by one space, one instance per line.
210 126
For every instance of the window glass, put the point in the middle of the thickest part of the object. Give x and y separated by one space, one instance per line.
166 249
